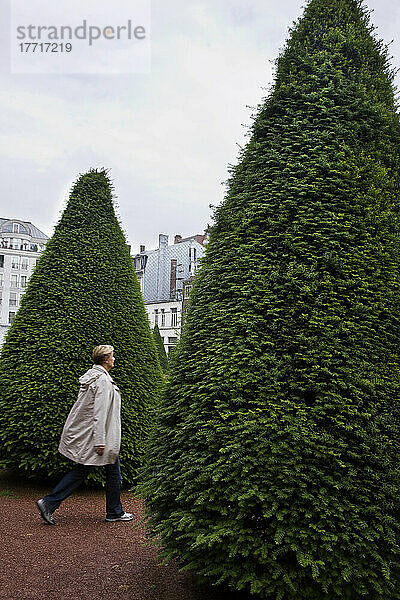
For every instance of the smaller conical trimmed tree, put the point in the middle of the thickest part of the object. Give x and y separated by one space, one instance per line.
83 292
162 355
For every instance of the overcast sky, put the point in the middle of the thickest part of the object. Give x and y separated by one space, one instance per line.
167 136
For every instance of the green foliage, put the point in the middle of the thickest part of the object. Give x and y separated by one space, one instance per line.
83 292
8 494
274 465
162 355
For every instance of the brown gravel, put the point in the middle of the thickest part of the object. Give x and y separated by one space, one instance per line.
82 557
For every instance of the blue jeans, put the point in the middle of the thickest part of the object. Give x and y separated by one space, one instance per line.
72 480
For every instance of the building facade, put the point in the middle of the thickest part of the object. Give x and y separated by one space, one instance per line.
168 316
20 246
162 274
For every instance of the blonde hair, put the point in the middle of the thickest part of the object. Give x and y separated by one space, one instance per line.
100 353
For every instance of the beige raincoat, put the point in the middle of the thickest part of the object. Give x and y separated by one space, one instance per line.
94 420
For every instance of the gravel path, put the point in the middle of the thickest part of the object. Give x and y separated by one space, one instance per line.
82 557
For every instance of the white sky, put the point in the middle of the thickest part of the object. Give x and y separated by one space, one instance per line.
168 136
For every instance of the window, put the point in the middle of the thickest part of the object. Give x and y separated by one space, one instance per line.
194 259
24 280
1 298
174 317
16 228
14 281
1 260
24 263
11 316
156 316
13 299
162 317
172 340
15 262
1 279
140 262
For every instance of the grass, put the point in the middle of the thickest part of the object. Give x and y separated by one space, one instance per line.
8 494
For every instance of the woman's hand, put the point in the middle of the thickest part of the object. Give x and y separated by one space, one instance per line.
99 450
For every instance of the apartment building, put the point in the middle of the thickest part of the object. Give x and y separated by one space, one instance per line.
162 275
20 246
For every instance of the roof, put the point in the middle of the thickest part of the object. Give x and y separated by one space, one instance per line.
32 230
193 237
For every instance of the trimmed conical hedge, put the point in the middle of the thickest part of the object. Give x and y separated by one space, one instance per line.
83 292
274 465
162 355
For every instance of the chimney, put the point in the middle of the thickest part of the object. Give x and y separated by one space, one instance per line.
200 239
177 238
162 240
142 248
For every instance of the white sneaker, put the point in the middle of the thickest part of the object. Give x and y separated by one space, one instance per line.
124 517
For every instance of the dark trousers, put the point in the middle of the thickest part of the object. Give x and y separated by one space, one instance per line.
72 480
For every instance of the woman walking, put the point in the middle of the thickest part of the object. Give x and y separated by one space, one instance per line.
92 437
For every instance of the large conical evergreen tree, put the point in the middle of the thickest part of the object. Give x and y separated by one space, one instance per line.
83 292
162 355
274 465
